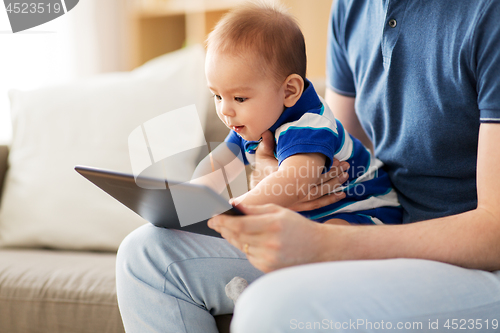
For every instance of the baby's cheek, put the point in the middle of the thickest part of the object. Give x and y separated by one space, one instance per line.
218 113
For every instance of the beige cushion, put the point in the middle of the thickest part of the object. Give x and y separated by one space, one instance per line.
58 291
45 203
62 292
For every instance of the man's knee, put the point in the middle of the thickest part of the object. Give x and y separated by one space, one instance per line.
130 255
136 243
143 253
148 241
148 251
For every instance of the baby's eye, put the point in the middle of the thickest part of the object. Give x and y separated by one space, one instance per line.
240 99
218 97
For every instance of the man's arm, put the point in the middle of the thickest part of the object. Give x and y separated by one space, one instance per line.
279 238
470 239
344 110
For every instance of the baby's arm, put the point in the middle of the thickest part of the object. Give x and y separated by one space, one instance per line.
220 159
289 184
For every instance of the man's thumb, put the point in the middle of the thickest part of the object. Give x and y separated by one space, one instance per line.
266 146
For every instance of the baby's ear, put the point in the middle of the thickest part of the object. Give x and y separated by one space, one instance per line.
294 86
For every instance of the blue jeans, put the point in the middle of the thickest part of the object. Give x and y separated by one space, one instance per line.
173 281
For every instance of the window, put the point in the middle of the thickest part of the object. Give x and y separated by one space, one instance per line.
31 59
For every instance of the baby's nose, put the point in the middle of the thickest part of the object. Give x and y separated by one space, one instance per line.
226 109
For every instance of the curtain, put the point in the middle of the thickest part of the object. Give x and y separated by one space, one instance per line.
100 31
88 40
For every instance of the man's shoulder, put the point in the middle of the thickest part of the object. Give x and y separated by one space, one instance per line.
350 11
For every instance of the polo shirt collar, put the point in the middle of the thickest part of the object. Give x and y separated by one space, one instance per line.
307 101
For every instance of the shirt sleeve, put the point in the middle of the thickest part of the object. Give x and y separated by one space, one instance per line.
307 140
486 50
339 75
235 144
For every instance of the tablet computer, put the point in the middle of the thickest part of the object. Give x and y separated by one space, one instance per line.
157 206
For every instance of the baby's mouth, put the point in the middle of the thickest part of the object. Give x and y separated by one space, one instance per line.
237 129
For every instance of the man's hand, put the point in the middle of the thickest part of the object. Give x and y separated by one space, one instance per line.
273 237
319 195
265 162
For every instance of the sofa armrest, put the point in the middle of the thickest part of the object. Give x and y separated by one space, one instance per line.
4 152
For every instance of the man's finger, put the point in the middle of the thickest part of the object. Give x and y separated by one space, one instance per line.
335 171
319 202
248 224
332 185
259 209
266 146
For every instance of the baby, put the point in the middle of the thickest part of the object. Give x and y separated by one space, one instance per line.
255 68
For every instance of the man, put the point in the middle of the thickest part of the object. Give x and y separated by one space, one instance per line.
420 81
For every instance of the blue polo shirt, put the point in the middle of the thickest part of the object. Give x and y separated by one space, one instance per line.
425 74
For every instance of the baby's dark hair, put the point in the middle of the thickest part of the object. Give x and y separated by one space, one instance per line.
267 30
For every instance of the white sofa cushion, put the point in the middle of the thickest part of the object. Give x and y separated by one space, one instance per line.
45 202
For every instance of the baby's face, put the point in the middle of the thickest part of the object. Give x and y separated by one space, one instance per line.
247 101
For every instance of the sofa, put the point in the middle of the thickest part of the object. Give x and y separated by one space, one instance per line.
46 290
58 245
